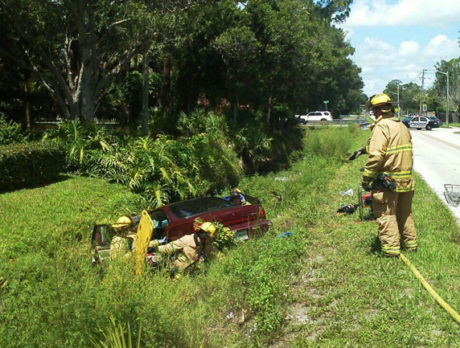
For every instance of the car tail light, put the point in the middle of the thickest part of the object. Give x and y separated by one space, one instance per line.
262 213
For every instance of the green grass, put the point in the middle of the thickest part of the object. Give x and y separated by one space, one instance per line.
353 296
450 125
321 287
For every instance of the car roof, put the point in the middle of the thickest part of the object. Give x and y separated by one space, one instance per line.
196 206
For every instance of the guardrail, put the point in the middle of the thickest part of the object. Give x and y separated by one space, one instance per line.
361 122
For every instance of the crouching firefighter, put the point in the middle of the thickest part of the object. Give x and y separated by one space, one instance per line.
188 250
389 152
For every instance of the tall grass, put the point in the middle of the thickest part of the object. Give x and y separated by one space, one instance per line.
54 297
50 295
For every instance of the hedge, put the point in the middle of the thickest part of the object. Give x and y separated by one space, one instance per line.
29 164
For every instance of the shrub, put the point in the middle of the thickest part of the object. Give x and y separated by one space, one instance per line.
161 168
29 164
331 142
10 132
79 141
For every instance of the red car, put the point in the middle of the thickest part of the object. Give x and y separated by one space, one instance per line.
176 220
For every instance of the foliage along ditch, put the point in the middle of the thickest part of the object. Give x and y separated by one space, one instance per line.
50 294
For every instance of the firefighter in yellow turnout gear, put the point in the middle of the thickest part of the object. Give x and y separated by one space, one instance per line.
389 152
189 249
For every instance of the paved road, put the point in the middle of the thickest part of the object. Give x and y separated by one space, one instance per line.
437 160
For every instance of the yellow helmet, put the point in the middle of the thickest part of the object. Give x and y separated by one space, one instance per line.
237 190
197 223
381 101
122 221
209 228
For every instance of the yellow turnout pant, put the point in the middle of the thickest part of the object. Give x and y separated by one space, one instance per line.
393 211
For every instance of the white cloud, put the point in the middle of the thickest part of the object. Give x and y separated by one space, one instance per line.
441 47
430 13
382 62
384 57
408 48
374 52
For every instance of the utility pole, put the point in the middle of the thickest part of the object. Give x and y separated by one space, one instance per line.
399 112
447 95
421 91
447 100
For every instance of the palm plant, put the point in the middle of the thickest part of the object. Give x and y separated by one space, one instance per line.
118 336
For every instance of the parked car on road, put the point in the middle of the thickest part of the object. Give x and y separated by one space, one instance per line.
176 220
315 116
420 122
406 120
434 122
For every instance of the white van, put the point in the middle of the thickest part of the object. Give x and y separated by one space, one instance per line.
318 116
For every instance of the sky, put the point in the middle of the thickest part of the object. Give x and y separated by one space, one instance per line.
396 39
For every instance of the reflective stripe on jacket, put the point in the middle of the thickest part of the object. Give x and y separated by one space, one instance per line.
390 152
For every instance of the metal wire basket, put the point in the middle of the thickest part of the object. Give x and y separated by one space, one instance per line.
452 194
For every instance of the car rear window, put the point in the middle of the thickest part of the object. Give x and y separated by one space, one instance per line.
197 206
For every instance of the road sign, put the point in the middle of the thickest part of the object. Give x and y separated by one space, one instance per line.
326 101
424 107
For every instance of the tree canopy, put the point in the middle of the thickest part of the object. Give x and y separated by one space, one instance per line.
275 58
435 96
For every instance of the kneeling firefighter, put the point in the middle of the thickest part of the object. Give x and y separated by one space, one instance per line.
389 152
189 249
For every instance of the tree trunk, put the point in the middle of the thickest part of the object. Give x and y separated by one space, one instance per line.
166 84
269 110
235 107
27 105
88 82
145 94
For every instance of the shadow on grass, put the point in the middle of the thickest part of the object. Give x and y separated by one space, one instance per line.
41 183
376 248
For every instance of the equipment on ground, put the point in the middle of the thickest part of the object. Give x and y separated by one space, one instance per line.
349 208
430 290
144 233
452 194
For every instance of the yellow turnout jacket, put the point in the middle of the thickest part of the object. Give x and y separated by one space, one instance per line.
187 250
390 152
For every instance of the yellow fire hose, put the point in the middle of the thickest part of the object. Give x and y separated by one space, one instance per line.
433 293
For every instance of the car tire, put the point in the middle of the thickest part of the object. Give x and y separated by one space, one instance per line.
428 127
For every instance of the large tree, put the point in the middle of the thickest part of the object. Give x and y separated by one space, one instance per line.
452 68
273 57
74 47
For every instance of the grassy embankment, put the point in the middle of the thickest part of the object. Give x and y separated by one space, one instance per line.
322 286
450 125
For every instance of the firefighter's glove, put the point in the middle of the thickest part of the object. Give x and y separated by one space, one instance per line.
357 153
154 244
367 185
